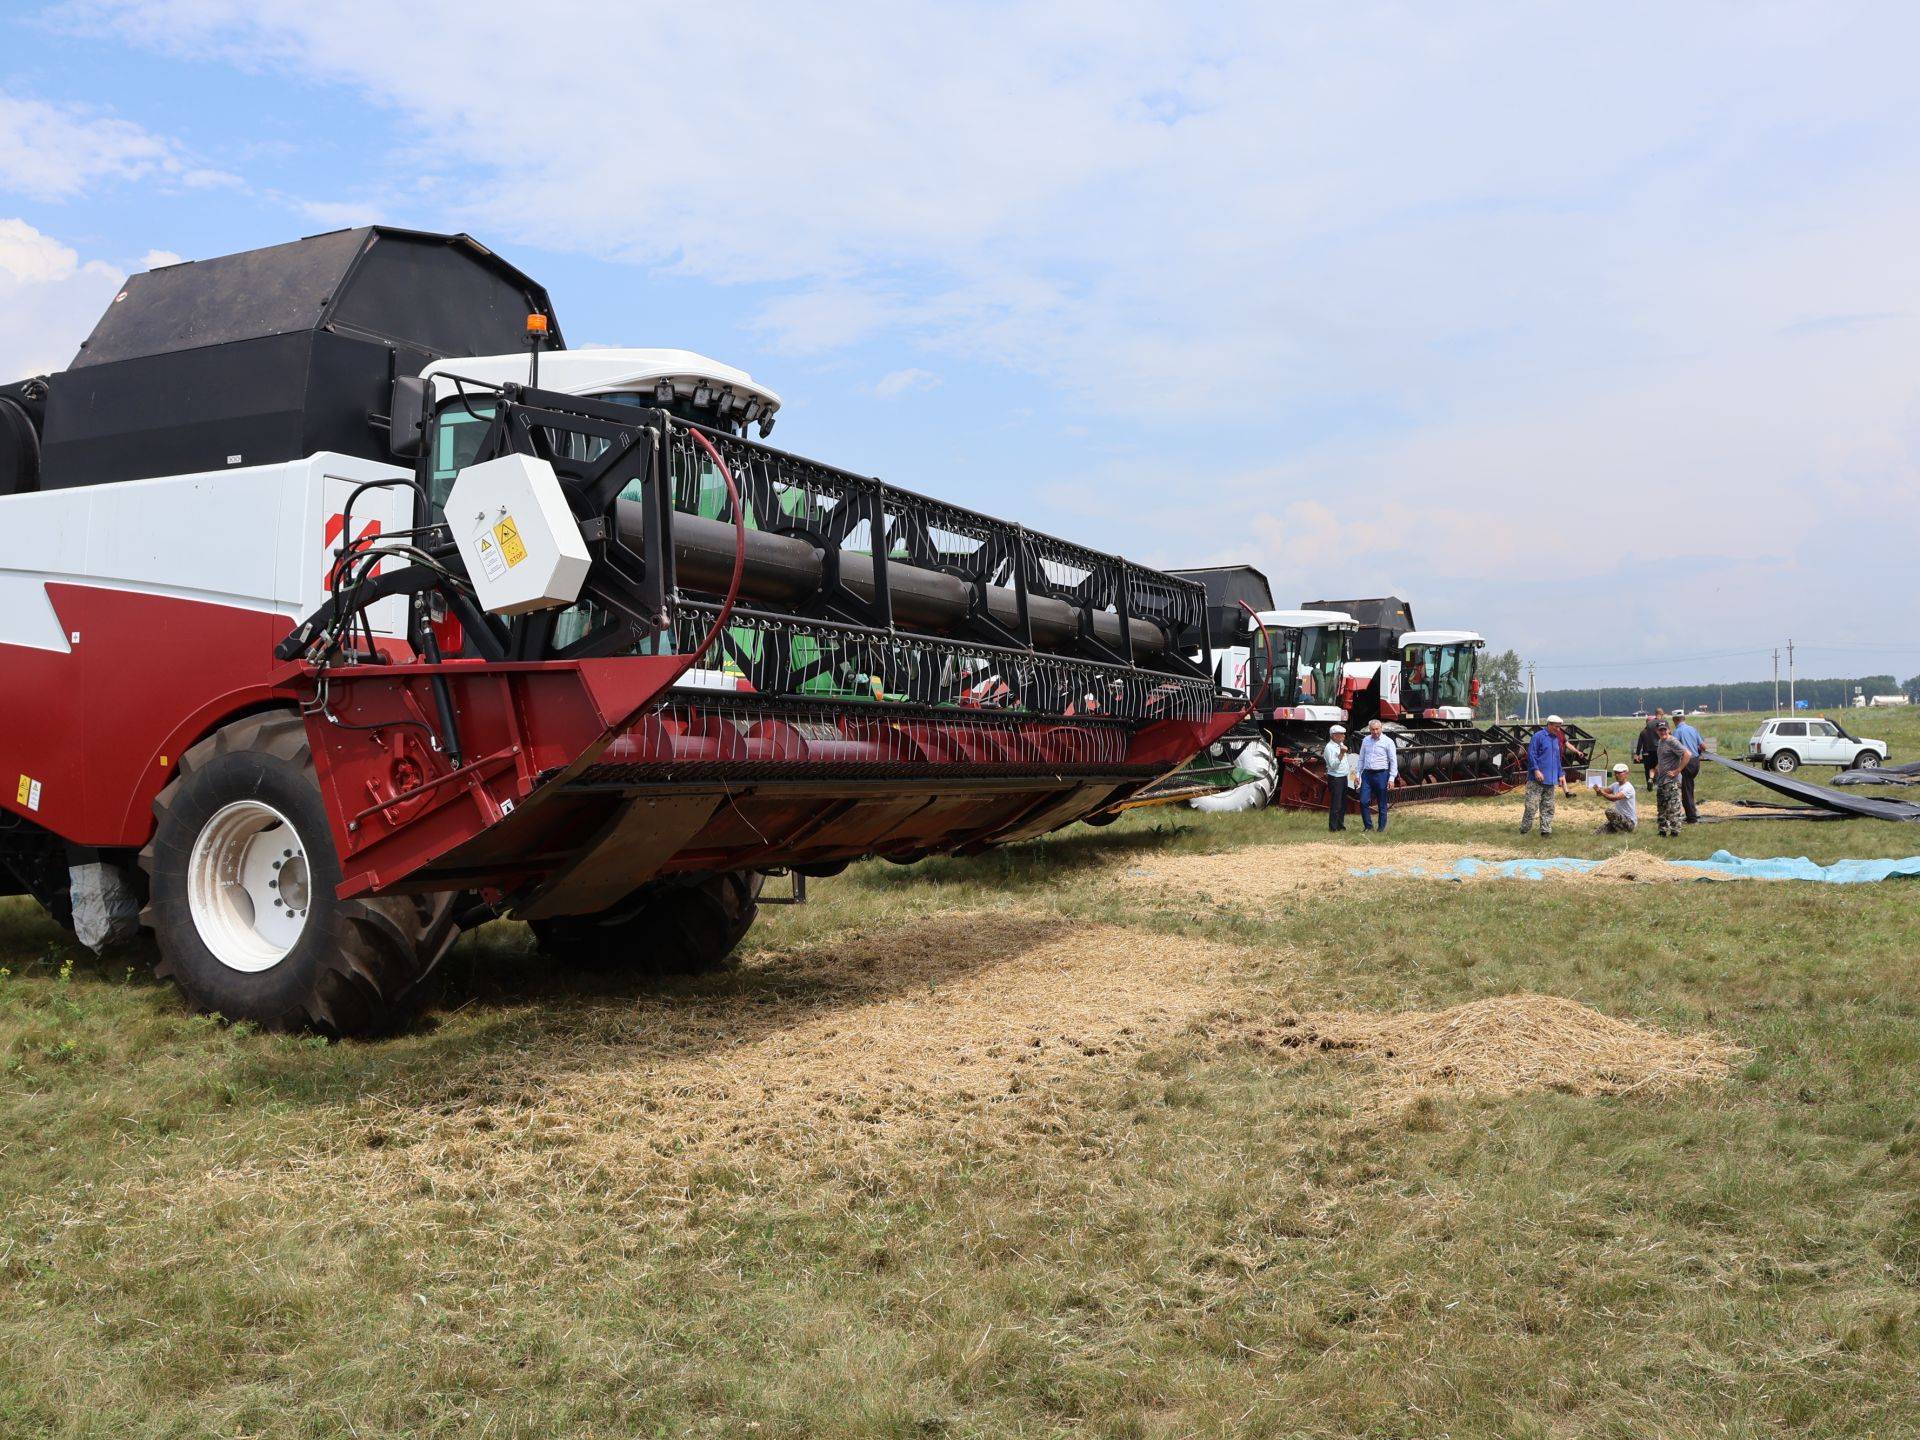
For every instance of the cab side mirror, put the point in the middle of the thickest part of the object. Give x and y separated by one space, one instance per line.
407 424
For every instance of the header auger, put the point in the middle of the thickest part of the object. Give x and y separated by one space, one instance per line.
596 660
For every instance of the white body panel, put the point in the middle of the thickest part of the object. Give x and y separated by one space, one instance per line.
255 539
1233 666
1361 672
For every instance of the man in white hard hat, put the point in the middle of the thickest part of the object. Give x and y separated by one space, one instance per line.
1623 815
1546 777
1339 762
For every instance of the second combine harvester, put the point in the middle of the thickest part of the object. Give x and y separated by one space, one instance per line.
327 629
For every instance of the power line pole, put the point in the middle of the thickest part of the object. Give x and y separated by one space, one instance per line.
1776 679
1791 705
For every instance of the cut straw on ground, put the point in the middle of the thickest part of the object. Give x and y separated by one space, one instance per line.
1507 1045
1257 874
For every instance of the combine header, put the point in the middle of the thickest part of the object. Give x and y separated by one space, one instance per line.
596 660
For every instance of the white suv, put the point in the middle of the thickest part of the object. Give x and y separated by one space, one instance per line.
1783 746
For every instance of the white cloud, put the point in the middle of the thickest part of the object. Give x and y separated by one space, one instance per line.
53 152
904 382
50 297
1442 287
156 259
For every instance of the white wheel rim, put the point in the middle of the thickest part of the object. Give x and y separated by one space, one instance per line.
249 886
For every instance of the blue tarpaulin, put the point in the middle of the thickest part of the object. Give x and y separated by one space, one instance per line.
1721 862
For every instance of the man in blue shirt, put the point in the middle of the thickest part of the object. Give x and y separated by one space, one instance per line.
1545 777
1379 768
1691 738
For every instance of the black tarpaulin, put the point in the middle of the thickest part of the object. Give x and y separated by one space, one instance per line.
1868 806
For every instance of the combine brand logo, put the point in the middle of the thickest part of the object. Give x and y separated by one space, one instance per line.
336 525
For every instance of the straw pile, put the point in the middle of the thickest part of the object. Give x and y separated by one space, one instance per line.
1635 866
1508 1045
1583 808
937 1038
1261 873
1267 872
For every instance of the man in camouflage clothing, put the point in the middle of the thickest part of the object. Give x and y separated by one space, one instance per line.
1670 761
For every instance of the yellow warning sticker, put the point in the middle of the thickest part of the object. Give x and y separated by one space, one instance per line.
26 788
512 548
29 794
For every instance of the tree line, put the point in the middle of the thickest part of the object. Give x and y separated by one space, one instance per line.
1503 691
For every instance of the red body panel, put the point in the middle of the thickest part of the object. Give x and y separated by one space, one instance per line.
100 727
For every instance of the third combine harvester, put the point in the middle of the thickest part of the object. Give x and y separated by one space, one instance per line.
335 616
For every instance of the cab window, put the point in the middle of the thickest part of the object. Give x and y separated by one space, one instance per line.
456 441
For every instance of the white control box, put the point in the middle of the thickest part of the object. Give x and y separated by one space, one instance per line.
519 539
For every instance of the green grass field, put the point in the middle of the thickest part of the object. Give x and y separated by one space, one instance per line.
981 1148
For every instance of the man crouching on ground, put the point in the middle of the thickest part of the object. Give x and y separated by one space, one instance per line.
1623 815
1544 776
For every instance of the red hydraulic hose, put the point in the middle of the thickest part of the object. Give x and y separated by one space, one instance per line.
739 548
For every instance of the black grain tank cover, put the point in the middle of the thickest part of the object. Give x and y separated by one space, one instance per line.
1228 586
1383 621
273 354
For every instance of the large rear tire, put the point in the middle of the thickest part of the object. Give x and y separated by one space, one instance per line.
242 872
672 927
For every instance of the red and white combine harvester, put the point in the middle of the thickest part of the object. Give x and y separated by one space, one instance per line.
335 616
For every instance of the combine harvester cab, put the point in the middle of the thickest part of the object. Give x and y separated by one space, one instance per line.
588 655
1294 673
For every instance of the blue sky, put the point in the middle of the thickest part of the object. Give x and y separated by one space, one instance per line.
1592 328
